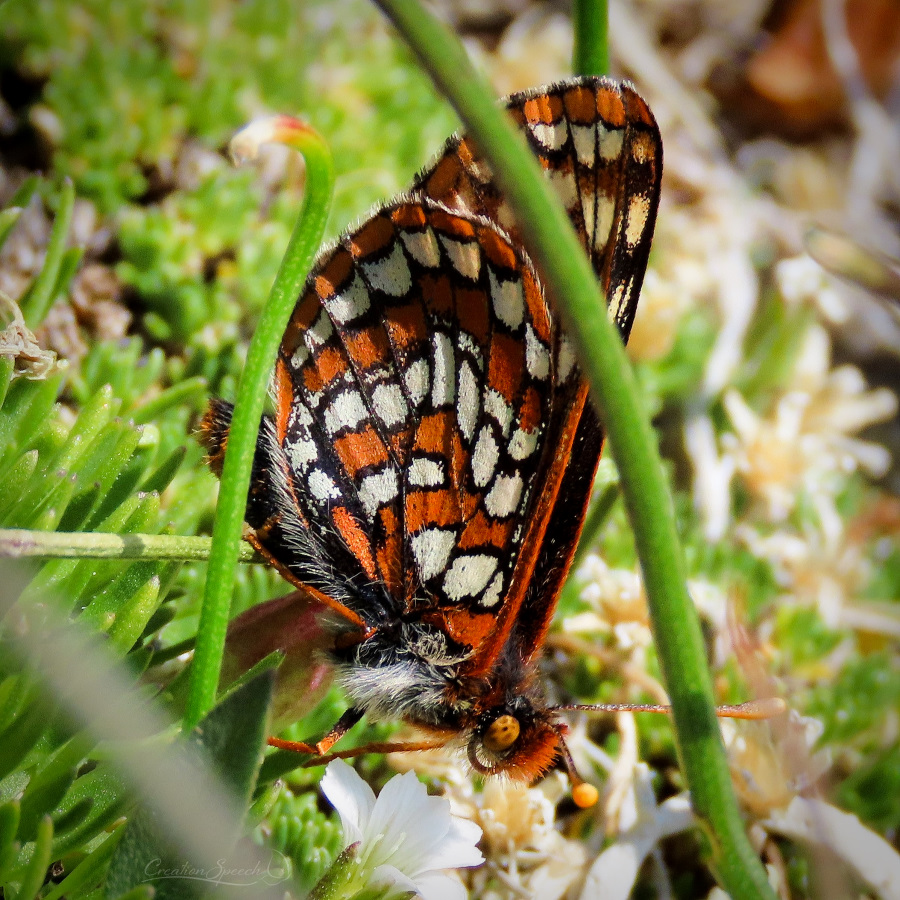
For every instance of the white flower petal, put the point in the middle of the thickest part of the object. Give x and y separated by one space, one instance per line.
351 797
391 877
409 823
458 849
873 860
440 886
406 837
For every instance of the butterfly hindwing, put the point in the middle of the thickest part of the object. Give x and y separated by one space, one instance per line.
414 389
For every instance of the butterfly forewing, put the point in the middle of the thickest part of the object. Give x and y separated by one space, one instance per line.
599 146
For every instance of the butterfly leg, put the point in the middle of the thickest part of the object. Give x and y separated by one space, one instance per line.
377 747
320 748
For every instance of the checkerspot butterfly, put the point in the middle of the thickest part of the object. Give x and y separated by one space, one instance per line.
424 479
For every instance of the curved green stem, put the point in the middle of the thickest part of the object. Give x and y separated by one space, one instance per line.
590 55
550 239
235 480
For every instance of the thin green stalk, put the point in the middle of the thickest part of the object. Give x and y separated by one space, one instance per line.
16 543
550 239
235 479
590 55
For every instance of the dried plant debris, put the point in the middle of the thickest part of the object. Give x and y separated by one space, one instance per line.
18 343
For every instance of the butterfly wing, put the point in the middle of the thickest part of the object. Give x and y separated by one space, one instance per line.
600 147
414 395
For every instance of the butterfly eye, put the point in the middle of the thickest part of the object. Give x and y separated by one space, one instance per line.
501 734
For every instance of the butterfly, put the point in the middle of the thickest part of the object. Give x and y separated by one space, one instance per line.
425 477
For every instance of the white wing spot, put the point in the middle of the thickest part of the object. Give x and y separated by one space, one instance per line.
350 303
564 185
589 212
490 597
496 406
584 138
484 457
617 303
431 548
638 213
537 356
301 453
347 410
468 403
523 443
469 575
609 141
300 416
378 489
466 257
566 361
606 210
320 331
389 405
300 356
508 300
551 137
443 386
427 473
391 274
422 246
416 380
503 498
322 486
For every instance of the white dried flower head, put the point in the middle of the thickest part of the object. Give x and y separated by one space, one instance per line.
772 762
617 601
405 840
806 443
824 569
802 280
526 855
665 296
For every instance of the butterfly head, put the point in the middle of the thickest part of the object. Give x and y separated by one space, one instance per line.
521 741
516 740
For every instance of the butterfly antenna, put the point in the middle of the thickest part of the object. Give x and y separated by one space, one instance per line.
584 794
764 708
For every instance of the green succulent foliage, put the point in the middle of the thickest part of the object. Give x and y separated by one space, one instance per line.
231 738
309 839
98 469
126 86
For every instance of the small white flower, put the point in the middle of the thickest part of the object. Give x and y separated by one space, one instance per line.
406 838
